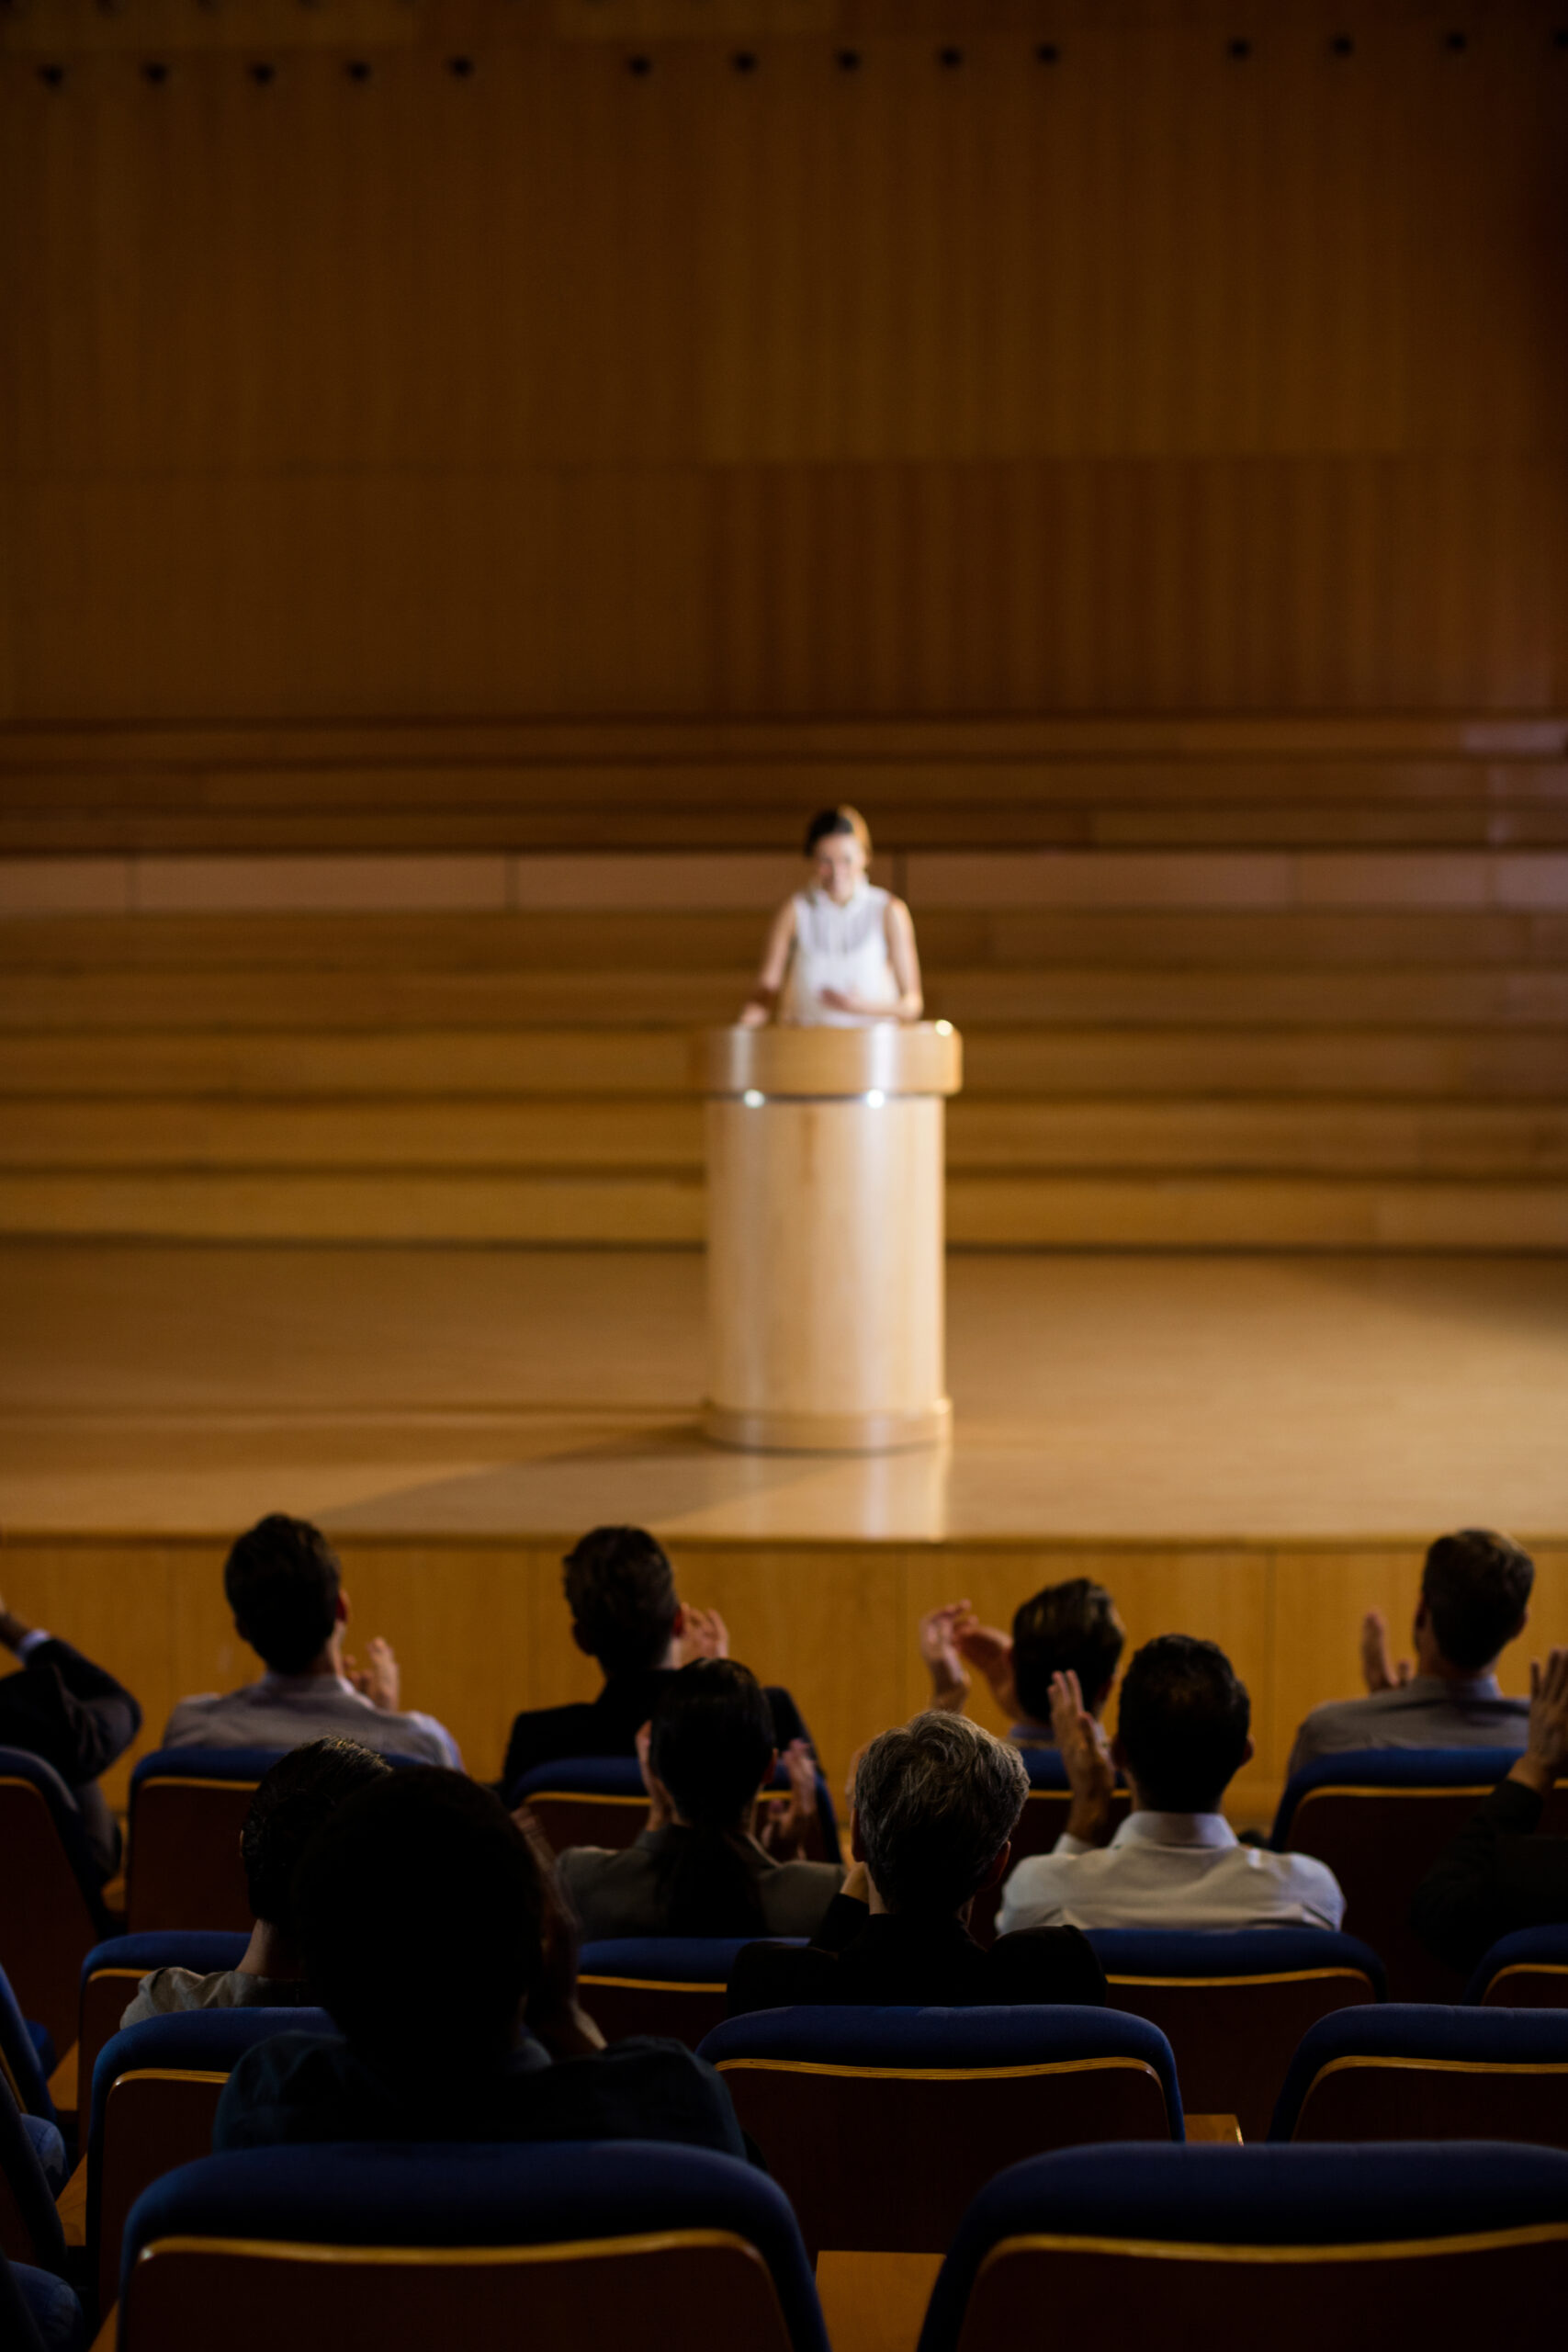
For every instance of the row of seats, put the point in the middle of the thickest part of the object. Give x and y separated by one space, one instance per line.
407 2246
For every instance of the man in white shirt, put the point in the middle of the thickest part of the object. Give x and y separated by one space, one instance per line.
1183 1732
283 1583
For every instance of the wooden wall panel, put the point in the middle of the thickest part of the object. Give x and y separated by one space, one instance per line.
1153 378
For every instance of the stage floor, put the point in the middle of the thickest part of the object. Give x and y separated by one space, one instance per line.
458 1392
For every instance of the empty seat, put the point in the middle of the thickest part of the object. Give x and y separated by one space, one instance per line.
1042 1822
156 2093
1234 2003
113 1969
880 2124
601 1801
1380 1818
673 1984
591 2245
1416 2072
1527 1969
188 1808
50 1908
1295 2248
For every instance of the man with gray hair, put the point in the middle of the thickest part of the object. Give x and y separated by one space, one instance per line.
936 1802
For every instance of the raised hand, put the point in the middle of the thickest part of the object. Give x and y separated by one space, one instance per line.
1546 1751
1086 1760
379 1679
988 1647
660 1805
1377 1670
940 1647
785 1821
702 1634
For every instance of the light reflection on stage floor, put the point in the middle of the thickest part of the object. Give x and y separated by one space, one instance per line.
470 1392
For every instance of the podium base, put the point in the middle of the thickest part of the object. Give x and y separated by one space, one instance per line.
769 1432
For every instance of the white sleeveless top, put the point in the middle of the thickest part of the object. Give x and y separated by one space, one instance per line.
840 947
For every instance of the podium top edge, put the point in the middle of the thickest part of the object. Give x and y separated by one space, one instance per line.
886 1056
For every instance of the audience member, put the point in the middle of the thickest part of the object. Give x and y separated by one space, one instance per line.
1496 1876
284 1585
71 1714
1071 1627
936 1803
1475 1592
434 1933
1183 1732
626 1614
698 1869
302 1790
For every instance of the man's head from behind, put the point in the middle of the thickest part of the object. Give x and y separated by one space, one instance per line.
1068 1625
1475 1593
283 1584
1183 1728
936 1802
300 1793
621 1591
419 1912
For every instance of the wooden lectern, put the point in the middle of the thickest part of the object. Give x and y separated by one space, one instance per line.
825 1234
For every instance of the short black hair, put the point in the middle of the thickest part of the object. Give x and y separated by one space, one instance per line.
712 1738
419 1912
300 1792
620 1589
1066 1626
1183 1724
1476 1586
282 1581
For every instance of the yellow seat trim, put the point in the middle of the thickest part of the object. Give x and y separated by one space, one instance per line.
408 2257
650 1985
1379 2250
191 1780
579 1796
1273 1976
1529 1968
936 2074
165 2074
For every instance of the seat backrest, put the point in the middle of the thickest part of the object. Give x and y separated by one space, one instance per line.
880 2124
113 1969
569 2243
601 1801
28 2297
188 1808
1380 1818
1292 2247
29 2227
21 2063
1527 1969
1234 2003
50 1909
668 1984
1042 1822
1416 2071
156 2093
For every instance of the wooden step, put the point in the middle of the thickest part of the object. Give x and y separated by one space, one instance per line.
104 998
690 940
665 1134
1167 1212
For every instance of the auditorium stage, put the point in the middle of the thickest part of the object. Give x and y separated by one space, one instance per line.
1252 1447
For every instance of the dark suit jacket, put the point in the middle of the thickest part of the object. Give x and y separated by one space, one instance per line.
1492 1878
63 1707
888 1961
311 2087
608 1725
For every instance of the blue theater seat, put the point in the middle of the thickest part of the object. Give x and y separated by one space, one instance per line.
27 2056
188 1808
39 2312
113 1969
880 2124
51 1909
670 1984
32 2162
1296 2249
601 1801
156 2093
1527 1969
1234 2003
620 2242
1411 2071
1380 1818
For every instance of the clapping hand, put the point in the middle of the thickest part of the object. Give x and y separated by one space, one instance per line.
988 1647
1377 1670
702 1634
660 1804
1546 1749
940 1637
785 1821
379 1679
1085 1759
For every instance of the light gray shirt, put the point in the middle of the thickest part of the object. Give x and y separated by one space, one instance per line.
616 1893
287 1709
1434 1711
1169 1869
